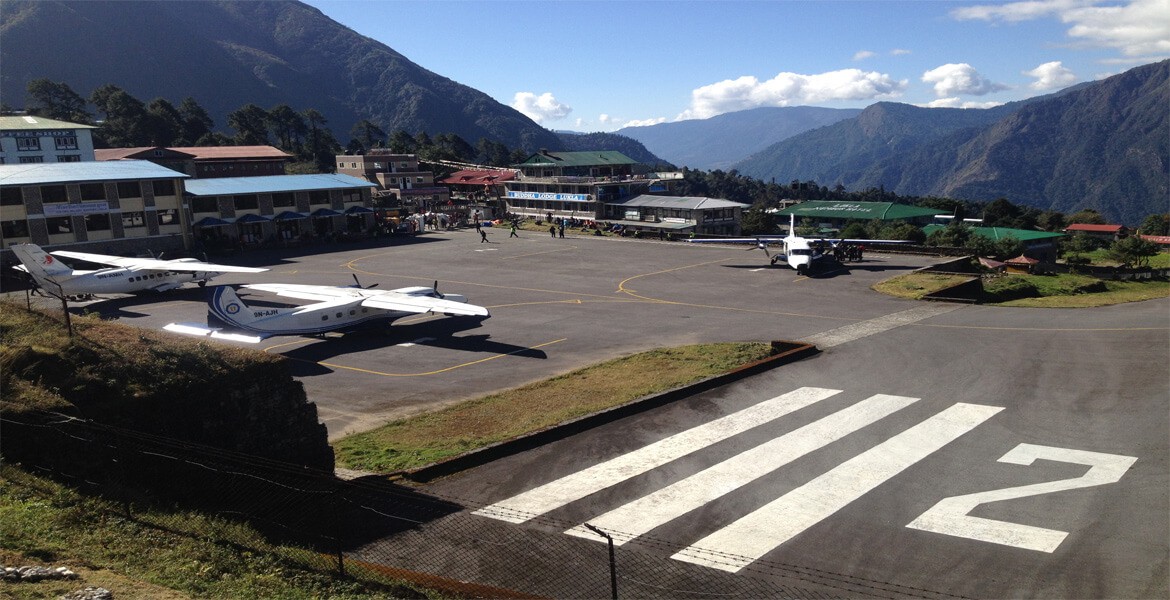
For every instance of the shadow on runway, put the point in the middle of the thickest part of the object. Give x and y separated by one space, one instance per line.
439 333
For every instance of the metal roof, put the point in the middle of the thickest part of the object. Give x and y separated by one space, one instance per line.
229 186
579 159
866 211
33 123
233 152
998 233
87 171
681 202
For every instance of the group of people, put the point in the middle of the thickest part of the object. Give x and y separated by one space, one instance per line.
850 252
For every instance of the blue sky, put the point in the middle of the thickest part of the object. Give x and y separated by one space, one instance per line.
602 65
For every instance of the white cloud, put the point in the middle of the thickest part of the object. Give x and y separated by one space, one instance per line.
644 122
959 103
1135 28
899 52
540 108
789 89
863 54
961 78
1051 75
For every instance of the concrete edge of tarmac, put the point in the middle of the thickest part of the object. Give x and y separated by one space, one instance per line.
786 352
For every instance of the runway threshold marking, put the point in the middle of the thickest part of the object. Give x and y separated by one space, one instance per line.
675 500
737 545
855 331
435 372
557 493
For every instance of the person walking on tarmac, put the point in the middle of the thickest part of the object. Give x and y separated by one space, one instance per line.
512 231
552 230
561 229
482 236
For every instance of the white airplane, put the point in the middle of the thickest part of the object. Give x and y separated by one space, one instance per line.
125 275
336 309
806 255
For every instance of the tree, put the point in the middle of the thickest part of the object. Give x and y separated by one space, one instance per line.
1156 225
367 135
402 143
758 221
1133 251
56 101
491 152
954 235
1051 220
127 122
1087 216
287 125
251 125
164 124
196 123
1076 246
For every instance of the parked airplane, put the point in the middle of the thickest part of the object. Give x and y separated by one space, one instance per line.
124 276
337 309
806 255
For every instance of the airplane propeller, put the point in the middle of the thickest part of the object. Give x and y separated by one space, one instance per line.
359 284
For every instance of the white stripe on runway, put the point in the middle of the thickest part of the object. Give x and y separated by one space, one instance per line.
856 331
673 501
560 492
751 537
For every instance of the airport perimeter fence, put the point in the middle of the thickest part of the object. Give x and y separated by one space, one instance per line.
380 532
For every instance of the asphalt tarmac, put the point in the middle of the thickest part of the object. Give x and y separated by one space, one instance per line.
930 450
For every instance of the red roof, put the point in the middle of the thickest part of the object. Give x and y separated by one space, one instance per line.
145 152
485 177
1021 260
222 152
1157 239
1094 228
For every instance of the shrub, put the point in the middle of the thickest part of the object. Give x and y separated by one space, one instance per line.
1002 289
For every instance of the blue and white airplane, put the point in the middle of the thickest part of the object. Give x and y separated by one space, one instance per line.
125 275
336 309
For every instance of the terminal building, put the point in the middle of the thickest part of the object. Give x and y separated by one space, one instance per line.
399 179
204 162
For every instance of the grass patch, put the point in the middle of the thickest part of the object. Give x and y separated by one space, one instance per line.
1114 292
1100 257
917 285
474 424
44 523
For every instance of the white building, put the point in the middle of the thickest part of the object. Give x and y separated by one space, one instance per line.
30 139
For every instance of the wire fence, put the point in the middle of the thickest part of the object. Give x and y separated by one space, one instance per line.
378 531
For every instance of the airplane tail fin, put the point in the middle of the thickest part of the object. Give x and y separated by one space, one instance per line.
224 307
40 264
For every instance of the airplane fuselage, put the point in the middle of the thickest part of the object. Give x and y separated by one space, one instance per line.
117 280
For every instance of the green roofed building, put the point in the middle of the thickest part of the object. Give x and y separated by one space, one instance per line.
826 211
1037 244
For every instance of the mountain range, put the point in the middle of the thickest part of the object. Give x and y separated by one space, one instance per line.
1101 145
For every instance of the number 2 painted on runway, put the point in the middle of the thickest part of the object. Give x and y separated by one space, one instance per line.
950 516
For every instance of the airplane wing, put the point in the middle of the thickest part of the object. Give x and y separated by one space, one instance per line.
764 239
321 293
154 264
424 304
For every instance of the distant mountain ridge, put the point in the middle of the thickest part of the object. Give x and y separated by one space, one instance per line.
226 54
723 140
1104 145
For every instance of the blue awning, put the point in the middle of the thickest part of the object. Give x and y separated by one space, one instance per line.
250 218
210 222
325 212
355 210
289 215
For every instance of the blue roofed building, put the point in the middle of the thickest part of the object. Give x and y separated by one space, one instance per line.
111 207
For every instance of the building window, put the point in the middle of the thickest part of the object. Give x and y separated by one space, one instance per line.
25 144
351 196
284 199
53 193
59 225
353 165
31 159
131 220
11 196
93 191
129 189
246 202
97 222
164 187
68 158
66 142
418 179
14 229
204 204
319 197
